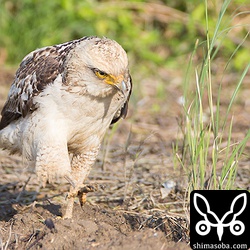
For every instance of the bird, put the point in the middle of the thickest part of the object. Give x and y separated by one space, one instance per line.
61 103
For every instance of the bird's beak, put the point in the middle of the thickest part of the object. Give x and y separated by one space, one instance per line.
118 82
121 86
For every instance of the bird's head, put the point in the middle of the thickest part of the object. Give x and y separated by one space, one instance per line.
100 65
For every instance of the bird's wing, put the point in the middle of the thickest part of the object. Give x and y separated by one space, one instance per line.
37 70
122 112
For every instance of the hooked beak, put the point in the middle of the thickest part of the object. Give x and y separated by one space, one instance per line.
121 87
118 82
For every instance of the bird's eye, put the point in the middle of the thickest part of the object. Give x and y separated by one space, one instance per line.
100 74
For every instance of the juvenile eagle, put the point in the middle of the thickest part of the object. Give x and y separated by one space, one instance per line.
62 101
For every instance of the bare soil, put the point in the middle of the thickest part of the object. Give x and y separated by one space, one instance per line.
131 209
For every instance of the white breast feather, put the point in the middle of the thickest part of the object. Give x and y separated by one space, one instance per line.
52 110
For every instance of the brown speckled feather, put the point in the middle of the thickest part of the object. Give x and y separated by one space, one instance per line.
60 105
37 70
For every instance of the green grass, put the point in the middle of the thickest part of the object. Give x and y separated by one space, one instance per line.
208 153
157 35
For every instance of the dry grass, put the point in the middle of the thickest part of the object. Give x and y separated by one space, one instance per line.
135 171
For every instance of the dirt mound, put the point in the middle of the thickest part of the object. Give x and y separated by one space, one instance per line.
39 226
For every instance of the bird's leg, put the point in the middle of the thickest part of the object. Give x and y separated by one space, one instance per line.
81 165
82 193
52 159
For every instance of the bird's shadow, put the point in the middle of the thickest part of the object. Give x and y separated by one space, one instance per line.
6 205
54 209
13 202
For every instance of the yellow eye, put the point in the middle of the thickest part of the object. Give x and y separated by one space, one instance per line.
100 74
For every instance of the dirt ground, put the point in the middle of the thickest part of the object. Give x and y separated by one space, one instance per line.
141 200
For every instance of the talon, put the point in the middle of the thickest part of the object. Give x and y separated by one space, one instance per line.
82 193
82 198
88 188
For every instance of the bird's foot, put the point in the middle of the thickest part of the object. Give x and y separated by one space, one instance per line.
69 209
82 193
70 202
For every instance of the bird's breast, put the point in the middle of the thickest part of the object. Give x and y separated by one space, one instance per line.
89 119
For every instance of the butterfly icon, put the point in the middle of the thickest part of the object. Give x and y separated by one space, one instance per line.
203 227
